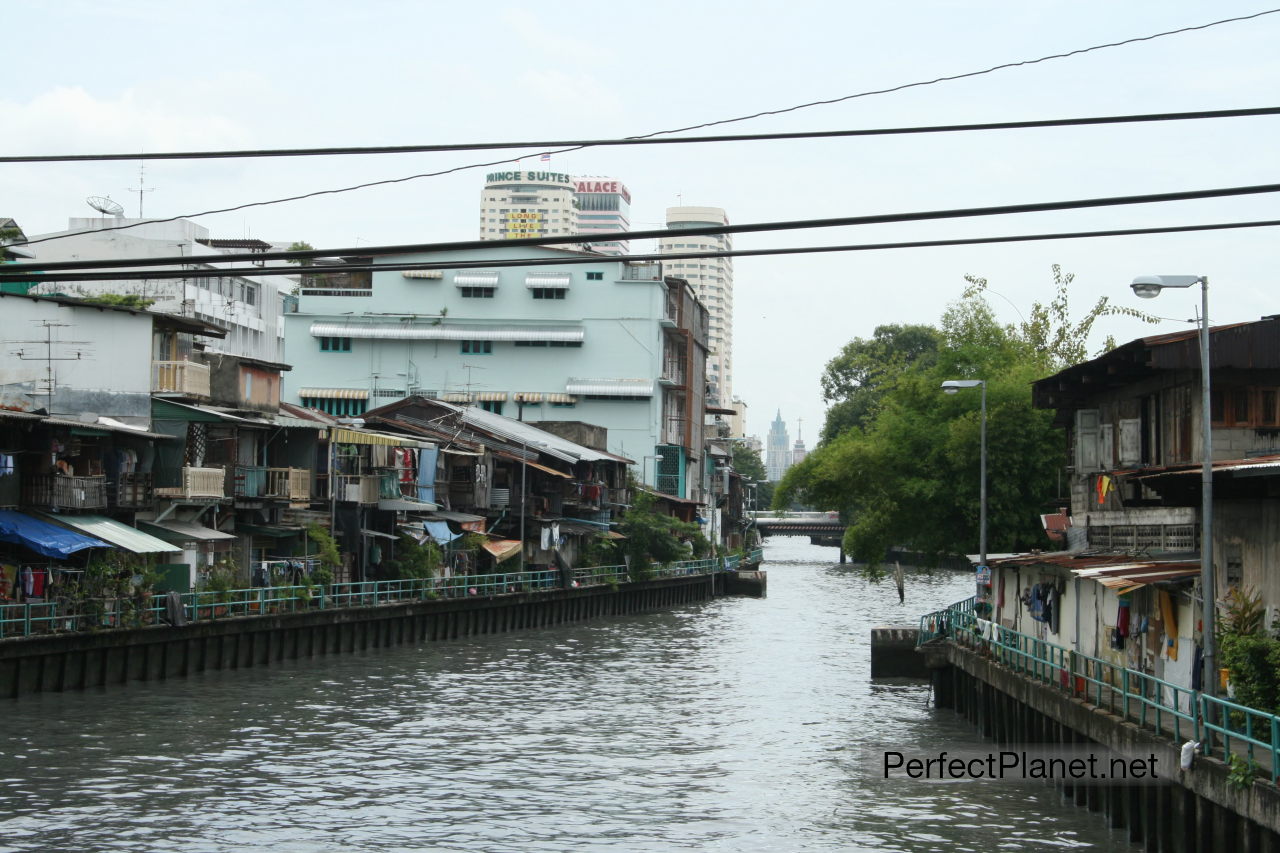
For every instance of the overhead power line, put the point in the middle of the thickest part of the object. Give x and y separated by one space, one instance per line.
761 114
748 228
628 141
596 259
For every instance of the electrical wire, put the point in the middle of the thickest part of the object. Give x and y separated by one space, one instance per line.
755 227
869 93
251 272
628 141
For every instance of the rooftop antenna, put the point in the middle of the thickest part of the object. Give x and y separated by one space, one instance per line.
50 380
106 206
142 180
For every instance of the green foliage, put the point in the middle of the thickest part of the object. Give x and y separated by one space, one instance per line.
599 551
301 246
222 577
653 536
1241 771
1255 674
327 552
747 462
418 560
901 461
120 300
1243 613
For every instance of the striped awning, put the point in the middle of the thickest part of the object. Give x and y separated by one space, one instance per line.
359 436
456 397
399 331
334 393
548 279
491 396
528 397
476 278
423 273
611 387
561 398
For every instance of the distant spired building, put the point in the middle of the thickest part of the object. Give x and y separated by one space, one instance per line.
777 457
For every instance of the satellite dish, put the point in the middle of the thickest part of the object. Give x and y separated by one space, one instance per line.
102 204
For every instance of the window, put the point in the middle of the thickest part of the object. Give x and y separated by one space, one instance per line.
549 343
569 405
335 344
250 294
595 276
477 347
547 292
494 406
1245 406
478 292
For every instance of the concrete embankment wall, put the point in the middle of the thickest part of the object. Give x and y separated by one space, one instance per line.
75 661
1195 810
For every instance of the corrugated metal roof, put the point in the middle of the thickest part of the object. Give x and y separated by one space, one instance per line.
611 387
559 280
359 436
399 331
120 535
476 278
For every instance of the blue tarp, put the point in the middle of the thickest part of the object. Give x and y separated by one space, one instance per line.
43 537
427 474
439 531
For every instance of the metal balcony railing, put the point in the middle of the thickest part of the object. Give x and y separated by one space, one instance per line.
180 377
197 483
642 271
55 491
293 484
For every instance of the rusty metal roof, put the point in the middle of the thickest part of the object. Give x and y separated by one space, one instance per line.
1121 572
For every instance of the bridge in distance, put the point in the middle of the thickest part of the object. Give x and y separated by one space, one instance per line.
822 528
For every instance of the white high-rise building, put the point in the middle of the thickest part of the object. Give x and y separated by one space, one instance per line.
604 207
527 203
712 281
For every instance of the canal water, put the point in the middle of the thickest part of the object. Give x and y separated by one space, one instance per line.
735 725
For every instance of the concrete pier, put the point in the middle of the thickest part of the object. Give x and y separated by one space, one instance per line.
893 653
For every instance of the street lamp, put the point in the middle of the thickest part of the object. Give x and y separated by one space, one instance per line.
656 459
952 386
1149 287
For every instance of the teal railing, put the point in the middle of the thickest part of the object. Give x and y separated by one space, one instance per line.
1137 697
33 618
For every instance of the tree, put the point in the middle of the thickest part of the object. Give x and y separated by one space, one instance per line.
301 246
747 462
854 380
905 470
119 300
653 536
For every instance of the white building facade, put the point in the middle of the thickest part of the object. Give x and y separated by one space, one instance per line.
608 342
604 207
527 203
712 281
249 308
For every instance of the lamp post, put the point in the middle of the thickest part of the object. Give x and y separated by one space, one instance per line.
1149 287
952 386
656 459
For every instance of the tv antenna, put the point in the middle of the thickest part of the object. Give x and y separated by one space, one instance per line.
50 381
142 182
106 206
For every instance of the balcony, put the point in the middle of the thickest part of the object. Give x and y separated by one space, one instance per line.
133 491
55 491
291 484
641 271
197 483
188 378
359 488
250 481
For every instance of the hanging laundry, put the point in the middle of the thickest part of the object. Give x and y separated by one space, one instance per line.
1170 618
1104 486
1122 618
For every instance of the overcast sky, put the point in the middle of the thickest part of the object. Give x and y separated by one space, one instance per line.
158 75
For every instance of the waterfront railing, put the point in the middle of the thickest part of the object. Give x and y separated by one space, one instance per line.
1226 727
33 618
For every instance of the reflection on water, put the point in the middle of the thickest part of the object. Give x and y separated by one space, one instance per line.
736 724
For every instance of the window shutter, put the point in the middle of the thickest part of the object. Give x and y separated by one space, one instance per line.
1131 441
1106 447
1086 440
